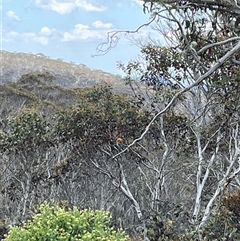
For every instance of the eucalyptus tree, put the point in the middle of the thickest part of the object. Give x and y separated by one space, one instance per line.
197 64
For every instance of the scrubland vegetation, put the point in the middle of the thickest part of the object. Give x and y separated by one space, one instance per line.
159 164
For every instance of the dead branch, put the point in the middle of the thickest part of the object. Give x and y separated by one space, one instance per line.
113 38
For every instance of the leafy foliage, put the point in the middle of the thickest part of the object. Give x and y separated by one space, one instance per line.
59 223
100 118
27 130
188 156
202 63
231 202
223 225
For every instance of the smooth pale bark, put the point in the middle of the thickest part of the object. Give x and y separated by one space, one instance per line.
122 185
210 71
202 177
228 176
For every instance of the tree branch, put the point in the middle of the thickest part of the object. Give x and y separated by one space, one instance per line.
112 38
218 64
224 5
217 44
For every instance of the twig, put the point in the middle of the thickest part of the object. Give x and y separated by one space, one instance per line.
112 38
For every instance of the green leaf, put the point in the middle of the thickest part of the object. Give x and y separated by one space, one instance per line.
187 24
237 23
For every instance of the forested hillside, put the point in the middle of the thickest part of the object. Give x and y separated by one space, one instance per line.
14 65
161 153
55 141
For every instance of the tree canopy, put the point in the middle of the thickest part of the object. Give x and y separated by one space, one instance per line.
165 160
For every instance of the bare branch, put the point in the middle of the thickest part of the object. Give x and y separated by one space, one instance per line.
235 61
113 38
211 70
217 44
221 186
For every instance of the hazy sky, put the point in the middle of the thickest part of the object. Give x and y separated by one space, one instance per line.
71 29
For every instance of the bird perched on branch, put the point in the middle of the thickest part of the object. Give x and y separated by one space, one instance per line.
119 140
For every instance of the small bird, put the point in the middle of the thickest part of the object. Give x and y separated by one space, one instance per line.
120 140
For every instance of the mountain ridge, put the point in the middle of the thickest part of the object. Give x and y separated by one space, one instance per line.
66 74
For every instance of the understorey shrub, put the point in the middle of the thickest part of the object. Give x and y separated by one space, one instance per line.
55 222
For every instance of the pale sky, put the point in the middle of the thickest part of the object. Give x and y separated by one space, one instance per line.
72 29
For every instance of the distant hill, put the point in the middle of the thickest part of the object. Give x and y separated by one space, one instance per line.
14 65
17 90
36 81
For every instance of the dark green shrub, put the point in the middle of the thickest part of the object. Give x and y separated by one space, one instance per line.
55 223
222 225
232 202
29 129
100 118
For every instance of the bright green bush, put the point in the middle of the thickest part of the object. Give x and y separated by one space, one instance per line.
55 223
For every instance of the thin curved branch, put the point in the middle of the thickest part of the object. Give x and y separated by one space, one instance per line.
235 61
192 51
217 44
218 64
113 38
